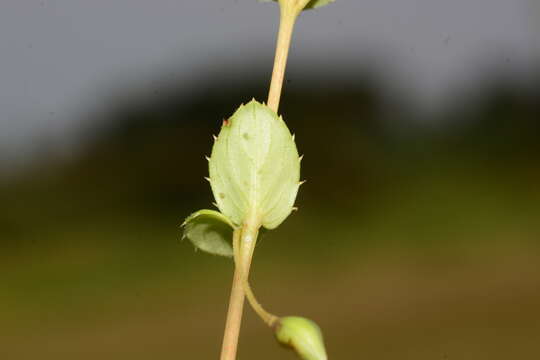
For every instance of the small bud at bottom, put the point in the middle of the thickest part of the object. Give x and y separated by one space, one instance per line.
302 335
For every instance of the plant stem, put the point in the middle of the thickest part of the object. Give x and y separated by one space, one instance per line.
286 26
244 240
268 318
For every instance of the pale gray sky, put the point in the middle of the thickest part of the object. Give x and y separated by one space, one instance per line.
58 56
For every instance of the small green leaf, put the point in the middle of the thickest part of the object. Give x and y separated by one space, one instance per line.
209 231
303 336
313 4
255 167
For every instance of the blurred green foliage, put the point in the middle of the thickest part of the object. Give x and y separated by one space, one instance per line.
411 241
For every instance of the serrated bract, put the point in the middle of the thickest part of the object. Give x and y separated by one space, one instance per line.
254 167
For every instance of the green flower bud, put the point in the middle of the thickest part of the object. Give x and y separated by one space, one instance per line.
302 335
255 167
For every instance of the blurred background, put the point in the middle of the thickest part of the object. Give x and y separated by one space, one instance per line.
418 232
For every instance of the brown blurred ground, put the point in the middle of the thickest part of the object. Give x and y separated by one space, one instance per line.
387 308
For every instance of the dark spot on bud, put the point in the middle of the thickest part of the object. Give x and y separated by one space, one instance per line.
226 122
246 136
222 195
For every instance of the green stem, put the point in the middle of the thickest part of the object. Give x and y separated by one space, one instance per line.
289 11
236 303
244 238
267 317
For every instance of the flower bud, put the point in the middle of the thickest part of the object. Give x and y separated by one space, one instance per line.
303 336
